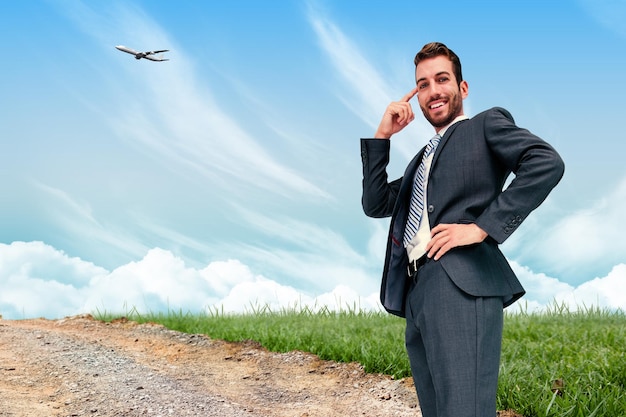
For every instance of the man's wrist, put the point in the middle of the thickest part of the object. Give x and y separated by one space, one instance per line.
381 135
481 233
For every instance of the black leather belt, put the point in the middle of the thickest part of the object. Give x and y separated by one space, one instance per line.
413 266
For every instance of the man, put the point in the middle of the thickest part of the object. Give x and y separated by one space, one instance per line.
444 271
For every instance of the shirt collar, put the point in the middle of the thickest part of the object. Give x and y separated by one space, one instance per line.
458 119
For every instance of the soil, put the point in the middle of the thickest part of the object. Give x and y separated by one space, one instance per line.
79 366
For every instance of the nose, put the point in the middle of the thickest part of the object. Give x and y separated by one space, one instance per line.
434 90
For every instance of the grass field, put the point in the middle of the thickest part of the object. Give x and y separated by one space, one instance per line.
555 363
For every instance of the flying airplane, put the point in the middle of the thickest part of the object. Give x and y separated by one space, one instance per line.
147 55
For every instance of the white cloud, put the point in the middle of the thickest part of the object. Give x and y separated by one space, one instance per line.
38 260
543 291
157 281
264 294
345 298
580 242
39 280
609 291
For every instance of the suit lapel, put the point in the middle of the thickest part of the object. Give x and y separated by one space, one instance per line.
406 186
444 140
407 182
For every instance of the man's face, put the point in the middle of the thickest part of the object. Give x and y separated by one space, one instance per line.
439 94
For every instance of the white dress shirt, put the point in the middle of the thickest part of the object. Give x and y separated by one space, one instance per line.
417 247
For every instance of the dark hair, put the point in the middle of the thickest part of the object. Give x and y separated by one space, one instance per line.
433 49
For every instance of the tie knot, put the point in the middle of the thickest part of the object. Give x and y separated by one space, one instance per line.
432 144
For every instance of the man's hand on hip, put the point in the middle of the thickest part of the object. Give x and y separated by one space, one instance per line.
449 236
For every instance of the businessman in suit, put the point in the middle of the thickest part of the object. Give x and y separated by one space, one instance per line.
444 271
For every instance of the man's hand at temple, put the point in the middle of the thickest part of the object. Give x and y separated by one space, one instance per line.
397 115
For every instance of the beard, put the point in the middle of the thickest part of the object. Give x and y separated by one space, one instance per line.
455 109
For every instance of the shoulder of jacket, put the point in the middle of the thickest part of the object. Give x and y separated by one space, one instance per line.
494 112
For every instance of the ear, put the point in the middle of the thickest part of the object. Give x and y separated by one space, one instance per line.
464 87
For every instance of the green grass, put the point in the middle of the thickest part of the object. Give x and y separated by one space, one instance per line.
584 349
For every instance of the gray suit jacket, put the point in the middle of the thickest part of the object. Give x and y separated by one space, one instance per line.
468 173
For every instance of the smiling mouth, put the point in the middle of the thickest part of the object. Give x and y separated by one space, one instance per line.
437 105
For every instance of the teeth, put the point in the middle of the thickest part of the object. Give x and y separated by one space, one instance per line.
435 106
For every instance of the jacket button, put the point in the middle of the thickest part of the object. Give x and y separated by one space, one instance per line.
431 208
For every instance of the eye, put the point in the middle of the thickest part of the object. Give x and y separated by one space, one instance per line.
443 79
422 86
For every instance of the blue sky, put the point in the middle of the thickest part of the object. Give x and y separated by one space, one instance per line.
230 176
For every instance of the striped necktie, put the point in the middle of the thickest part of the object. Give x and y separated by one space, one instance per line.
417 195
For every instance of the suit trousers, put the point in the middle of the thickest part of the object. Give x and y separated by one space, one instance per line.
453 341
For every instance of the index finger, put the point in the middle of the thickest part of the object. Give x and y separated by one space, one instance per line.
439 228
410 95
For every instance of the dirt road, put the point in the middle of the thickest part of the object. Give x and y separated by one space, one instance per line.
82 367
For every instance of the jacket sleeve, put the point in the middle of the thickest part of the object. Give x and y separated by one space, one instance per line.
537 168
379 196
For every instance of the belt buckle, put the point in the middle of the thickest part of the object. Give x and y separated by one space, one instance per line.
411 268
414 265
